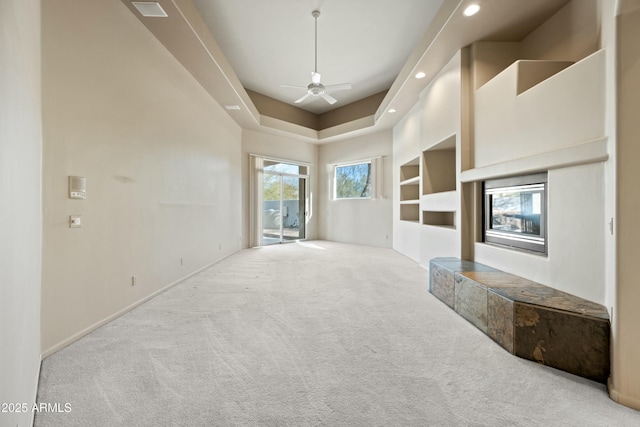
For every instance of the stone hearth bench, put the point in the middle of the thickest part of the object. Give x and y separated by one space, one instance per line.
530 320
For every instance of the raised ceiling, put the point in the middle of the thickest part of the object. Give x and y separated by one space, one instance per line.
362 42
237 49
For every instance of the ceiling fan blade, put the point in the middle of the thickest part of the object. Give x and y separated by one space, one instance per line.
330 99
315 78
342 86
294 87
305 96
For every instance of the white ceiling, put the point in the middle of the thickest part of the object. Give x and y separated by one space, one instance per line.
362 42
230 45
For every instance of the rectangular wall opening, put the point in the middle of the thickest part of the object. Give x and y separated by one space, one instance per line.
515 212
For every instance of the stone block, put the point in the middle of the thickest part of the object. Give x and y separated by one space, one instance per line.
441 283
570 342
471 301
500 312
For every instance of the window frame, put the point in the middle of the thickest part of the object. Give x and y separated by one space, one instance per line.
372 179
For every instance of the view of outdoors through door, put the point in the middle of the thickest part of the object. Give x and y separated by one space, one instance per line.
283 195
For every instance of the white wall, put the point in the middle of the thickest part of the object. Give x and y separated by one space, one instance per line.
440 116
284 148
20 215
161 158
434 119
365 221
565 110
576 226
406 147
440 105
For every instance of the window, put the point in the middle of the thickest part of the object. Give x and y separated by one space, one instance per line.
353 181
282 167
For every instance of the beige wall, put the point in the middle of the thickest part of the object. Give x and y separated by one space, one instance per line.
161 158
20 215
280 110
625 387
365 221
570 35
350 112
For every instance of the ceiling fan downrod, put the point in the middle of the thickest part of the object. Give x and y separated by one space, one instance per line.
316 14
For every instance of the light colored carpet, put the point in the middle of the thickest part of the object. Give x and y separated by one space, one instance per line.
309 334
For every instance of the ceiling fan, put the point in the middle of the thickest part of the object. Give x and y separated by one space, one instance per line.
315 88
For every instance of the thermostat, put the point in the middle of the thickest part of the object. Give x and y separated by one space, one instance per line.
77 187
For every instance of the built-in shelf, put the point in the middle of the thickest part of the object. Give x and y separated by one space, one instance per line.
446 201
440 219
439 167
410 190
439 198
414 180
410 212
410 170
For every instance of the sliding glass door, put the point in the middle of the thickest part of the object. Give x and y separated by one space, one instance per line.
283 202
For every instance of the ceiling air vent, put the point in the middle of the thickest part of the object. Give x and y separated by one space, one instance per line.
150 9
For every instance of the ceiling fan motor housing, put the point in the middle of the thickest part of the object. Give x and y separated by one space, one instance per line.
315 89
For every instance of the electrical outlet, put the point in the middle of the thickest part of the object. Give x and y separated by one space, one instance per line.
134 280
181 261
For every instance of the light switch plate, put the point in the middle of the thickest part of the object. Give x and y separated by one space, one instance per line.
75 221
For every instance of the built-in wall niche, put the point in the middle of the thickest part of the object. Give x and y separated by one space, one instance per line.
410 171
410 190
440 219
410 212
439 167
515 212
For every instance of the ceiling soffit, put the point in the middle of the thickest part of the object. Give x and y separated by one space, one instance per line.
185 34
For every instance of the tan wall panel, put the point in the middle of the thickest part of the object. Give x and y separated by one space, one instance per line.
626 346
161 158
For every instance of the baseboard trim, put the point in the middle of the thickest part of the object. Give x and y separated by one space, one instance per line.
617 397
37 386
75 337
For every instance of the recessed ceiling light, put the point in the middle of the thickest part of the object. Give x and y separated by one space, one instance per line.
420 75
232 107
150 9
471 10
392 110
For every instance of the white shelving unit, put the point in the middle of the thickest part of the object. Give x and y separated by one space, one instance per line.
438 201
410 191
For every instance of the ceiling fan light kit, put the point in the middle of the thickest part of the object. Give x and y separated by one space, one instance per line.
315 88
